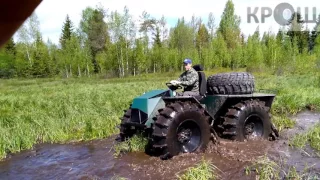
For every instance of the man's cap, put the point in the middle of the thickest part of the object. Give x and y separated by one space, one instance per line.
187 61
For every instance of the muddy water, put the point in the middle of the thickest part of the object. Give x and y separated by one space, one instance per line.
306 159
94 159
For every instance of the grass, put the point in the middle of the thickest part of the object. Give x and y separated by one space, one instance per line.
267 169
116 177
294 93
202 171
62 110
135 144
282 122
312 136
57 111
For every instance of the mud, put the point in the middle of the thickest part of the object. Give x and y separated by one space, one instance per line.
307 160
95 160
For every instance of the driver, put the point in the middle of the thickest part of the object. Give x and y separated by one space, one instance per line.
189 79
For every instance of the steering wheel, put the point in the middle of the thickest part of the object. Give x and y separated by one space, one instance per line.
177 86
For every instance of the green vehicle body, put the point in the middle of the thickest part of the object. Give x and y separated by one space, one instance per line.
145 107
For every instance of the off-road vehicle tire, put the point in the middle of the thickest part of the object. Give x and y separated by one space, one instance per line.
247 120
231 83
125 131
173 125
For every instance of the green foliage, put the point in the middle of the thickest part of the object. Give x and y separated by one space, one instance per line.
76 61
137 143
299 37
202 171
57 110
116 177
41 61
10 47
229 26
314 34
67 31
86 16
181 36
202 43
254 54
265 169
294 92
282 122
7 59
6 65
97 35
312 137
272 50
110 44
299 140
221 56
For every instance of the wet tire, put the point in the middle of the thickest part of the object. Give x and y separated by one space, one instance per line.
231 83
181 127
247 120
125 131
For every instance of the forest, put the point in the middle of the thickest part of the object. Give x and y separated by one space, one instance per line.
113 44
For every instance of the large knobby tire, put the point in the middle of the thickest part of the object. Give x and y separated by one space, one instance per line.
125 131
231 83
181 127
247 120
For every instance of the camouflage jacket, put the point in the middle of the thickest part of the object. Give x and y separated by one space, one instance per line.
190 80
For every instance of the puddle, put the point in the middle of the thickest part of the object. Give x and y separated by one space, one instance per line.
94 159
302 159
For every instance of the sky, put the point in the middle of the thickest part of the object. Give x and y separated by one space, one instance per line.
52 13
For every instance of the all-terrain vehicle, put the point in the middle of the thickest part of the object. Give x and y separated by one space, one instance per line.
227 106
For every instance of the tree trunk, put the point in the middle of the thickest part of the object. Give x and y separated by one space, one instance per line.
127 59
88 71
119 61
28 54
79 72
70 71
67 74
119 70
274 61
122 66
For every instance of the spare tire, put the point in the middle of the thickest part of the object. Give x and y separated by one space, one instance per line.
231 83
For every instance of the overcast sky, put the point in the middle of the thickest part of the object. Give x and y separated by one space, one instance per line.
52 13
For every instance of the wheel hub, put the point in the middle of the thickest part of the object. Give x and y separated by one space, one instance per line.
188 136
184 136
249 128
253 127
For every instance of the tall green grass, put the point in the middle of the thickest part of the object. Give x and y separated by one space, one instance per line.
137 143
202 171
294 92
267 169
312 136
62 110
34 111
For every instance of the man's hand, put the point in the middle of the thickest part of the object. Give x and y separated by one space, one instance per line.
175 82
